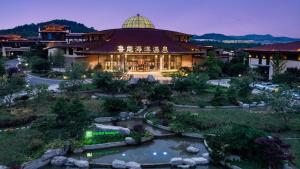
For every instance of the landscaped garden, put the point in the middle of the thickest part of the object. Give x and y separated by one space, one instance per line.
223 116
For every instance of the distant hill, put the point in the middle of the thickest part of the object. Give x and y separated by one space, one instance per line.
32 29
264 39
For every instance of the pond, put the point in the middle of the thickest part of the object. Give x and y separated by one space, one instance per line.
157 151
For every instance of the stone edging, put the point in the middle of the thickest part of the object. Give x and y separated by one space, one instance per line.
241 106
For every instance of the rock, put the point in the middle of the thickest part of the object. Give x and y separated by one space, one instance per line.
205 155
129 140
189 161
176 161
118 164
131 114
3 167
70 162
236 167
94 97
78 150
245 105
124 116
133 165
35 164
286 166
200 160
52 153
192 149
121 130
183 166
58 160
81 163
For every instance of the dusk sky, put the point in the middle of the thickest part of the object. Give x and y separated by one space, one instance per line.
231 17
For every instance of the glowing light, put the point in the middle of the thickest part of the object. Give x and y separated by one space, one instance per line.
165 153
89 154
155 153
123 154
88 134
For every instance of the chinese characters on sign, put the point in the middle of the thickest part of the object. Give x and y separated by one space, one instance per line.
145 49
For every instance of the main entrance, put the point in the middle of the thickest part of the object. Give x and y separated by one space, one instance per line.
142 63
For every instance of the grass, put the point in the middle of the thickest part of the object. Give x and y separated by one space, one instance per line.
207 121
264 121
19 146
295 147
205 97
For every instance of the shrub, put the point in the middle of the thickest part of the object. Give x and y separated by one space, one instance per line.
273 151
201 104
219 99
35 144
39 65
234 139
166 109
114 105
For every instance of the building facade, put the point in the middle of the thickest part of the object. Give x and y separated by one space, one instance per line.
262 57
138 47
14 45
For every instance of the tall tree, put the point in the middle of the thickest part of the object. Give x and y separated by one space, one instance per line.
9 86
278 64
75 75
2 67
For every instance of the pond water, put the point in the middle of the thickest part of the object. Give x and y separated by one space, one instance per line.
157 151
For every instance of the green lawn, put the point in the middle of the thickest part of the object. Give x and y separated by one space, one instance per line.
205 97
17 147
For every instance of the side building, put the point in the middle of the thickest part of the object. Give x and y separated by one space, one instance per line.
14 45
262 57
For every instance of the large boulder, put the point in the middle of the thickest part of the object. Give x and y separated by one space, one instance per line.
200 160
81 163
70 162
35 164
124 116
129 140
189 161
3 167
58 160
192 149
121 130
118 164
52 153
176 161
206 155
133 165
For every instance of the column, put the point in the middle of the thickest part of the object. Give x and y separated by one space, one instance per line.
155 62
161 63
169 62
111 61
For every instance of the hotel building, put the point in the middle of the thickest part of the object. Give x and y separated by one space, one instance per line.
138 47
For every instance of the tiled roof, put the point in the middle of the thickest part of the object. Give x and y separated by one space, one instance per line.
135 37
278 47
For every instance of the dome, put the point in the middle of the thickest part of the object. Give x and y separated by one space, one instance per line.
137 21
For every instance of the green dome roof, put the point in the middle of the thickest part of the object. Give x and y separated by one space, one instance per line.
137 22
